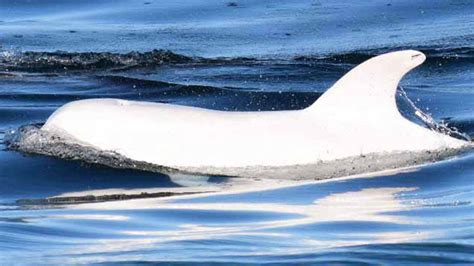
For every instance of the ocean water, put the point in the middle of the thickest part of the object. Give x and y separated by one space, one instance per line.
230 55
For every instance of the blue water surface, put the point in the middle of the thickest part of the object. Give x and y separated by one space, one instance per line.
243 55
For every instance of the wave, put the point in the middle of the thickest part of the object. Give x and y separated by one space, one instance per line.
435 54
63 61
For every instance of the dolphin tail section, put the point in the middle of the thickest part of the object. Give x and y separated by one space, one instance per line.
369 89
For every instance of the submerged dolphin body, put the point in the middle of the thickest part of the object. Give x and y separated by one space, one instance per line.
356 118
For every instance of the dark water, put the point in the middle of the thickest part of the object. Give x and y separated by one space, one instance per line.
240 55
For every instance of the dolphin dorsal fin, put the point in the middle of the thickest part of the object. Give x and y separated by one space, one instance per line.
369 89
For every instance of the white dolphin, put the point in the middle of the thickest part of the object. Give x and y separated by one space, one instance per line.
356 118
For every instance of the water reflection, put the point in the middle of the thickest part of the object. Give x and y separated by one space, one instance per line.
247 220
295 225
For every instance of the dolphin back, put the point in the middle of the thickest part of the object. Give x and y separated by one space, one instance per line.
357 117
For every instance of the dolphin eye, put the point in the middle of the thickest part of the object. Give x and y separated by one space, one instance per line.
415 56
